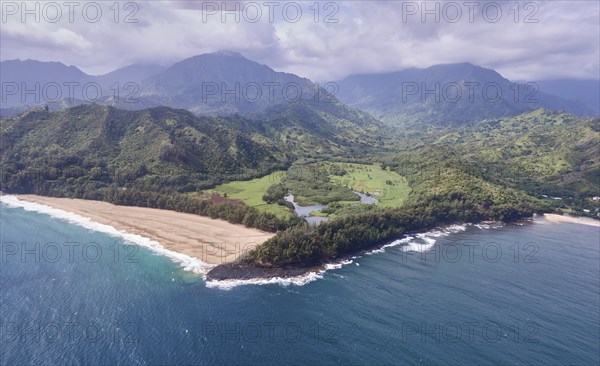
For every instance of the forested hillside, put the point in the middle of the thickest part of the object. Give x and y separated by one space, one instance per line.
92 146
542 152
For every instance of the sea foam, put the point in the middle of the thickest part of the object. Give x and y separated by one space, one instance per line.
283 281
489 225
421 242
428 239
188 263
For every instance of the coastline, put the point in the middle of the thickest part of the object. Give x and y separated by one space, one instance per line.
556 218
186 237
211 247
231 274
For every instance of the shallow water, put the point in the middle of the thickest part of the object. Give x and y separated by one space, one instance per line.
304 211
367 200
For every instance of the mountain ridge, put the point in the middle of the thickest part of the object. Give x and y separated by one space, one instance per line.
226 83
446 94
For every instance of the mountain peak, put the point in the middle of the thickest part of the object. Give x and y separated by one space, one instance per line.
227 53
457 66
217 58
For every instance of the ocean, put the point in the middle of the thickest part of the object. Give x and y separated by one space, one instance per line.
466 295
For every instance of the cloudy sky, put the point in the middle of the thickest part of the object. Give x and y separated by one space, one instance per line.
528 40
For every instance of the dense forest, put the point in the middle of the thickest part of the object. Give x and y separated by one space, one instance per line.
96 146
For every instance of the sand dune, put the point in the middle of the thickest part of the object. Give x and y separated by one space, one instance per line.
212 241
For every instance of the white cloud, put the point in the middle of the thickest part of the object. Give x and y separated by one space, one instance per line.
368 36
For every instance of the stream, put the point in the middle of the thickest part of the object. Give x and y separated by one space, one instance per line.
304 211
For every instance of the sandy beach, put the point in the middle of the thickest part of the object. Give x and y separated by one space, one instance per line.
571 219
212 241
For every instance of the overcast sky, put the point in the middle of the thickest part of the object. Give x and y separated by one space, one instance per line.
523 41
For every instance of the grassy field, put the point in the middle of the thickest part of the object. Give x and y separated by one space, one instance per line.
251 192
389 188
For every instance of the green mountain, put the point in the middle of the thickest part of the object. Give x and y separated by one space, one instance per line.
92 146
542 152
318 130
281 106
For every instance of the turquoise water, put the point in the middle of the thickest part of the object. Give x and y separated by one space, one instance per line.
105 302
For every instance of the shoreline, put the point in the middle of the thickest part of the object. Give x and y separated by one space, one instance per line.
557 218
235 274
181 236
211 247
244 273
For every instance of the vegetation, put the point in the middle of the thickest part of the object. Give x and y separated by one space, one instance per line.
548 155
321 130
264 194
435 200
495 170
388 187
311 185
149 150
141 158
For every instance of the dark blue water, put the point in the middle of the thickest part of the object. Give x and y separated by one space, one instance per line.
535 305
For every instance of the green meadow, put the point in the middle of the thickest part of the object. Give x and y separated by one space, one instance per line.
389 188
251 192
